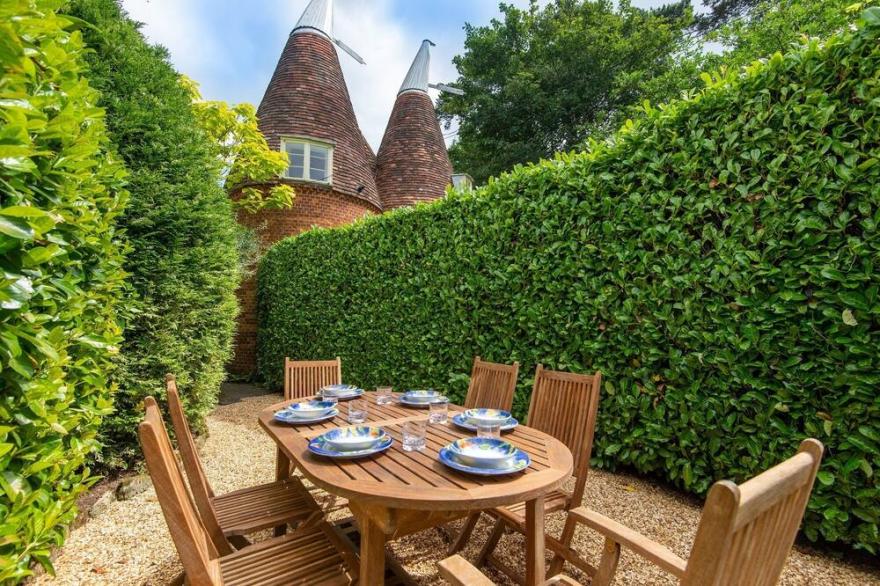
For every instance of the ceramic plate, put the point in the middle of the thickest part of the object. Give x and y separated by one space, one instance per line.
284 416
482 452
321 447
421 404
422 396
460 420
477 416
354 437
518 463
310 409
352 394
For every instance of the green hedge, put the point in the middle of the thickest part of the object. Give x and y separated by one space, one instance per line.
717 261
59 197
183 265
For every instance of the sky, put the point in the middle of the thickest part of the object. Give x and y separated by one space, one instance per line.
231 47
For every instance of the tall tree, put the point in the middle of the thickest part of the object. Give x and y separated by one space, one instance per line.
182 265
774 25
541 80
721 12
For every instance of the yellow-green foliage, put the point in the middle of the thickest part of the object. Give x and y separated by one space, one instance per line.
61 278
719 262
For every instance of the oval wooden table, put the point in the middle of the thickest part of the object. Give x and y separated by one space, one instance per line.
396 493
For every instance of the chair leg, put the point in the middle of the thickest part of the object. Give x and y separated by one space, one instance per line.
492 543
565 539
465 534
607 565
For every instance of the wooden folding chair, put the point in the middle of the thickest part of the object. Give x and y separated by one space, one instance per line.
492 385
231 516
304 378
563 405
744 537
312 554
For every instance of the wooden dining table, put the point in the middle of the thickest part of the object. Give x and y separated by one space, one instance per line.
396 492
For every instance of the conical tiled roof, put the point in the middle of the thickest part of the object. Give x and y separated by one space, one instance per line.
307 97
413 164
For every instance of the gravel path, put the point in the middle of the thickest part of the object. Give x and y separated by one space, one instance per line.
129 543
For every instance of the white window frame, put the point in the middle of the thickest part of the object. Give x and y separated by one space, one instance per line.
307 154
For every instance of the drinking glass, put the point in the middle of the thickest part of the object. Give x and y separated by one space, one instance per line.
414 435
328 398
383 396
358 410
491 430
439 412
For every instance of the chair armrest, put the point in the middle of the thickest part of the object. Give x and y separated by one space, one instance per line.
651 550
459 572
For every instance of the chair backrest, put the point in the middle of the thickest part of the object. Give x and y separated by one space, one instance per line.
564 405
196 551
492 385
195 472
304 378
747 531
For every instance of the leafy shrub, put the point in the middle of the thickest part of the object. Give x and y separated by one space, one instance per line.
183 265
60 282
717 262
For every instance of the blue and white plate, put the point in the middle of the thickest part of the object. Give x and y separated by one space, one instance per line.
321 446
421 404
285 416
487 416
341 395
423 396
311 409
519 462
460 420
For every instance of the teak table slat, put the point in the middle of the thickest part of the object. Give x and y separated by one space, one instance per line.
397 493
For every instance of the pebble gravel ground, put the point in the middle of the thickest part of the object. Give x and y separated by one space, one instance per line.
129 544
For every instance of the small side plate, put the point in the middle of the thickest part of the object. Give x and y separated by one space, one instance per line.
420 404
460 420
322 447
519 462
281 417
354 395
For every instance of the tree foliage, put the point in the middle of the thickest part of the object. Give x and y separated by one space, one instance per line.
60 194
183 264
244 154
717 261
775 25
542 80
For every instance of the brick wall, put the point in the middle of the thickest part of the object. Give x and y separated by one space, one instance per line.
314 206
412 164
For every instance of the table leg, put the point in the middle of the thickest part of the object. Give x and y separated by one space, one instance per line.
372 551
282 465
535 569
282 472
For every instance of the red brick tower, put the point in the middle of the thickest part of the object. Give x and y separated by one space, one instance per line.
413 164
306 111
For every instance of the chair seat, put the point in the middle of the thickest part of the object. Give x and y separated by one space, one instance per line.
302 557
263 506
516 514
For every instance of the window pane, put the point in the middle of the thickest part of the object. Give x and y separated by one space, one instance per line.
296 157
318 163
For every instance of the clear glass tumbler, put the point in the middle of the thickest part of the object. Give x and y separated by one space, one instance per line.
358 409
383 396
414 433
439 412
492 430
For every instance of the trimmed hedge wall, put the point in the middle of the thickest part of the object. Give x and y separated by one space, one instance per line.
60 193
717 261
183 264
